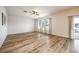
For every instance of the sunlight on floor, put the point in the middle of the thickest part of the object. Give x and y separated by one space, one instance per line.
43 38
76 45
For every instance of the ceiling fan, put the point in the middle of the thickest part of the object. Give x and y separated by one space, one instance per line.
32 12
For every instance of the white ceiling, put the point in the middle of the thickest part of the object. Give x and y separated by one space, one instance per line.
43 10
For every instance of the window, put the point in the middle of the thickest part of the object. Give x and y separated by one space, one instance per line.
3 19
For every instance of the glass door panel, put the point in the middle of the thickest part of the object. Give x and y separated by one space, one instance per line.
43 25
75 27
76 22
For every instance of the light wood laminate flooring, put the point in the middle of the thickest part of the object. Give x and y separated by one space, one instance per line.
35 42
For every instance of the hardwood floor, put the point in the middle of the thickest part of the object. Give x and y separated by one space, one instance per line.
35 43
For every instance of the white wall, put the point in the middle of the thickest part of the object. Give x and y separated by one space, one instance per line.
60 22
20 24
3 29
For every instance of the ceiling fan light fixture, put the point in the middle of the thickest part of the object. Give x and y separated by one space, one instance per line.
25 11
33 12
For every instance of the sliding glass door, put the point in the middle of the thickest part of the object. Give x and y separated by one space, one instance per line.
75 27
43 25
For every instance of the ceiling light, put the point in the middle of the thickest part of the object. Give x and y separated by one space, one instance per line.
25 11
33 12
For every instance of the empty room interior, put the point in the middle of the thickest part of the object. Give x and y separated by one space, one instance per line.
39 29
